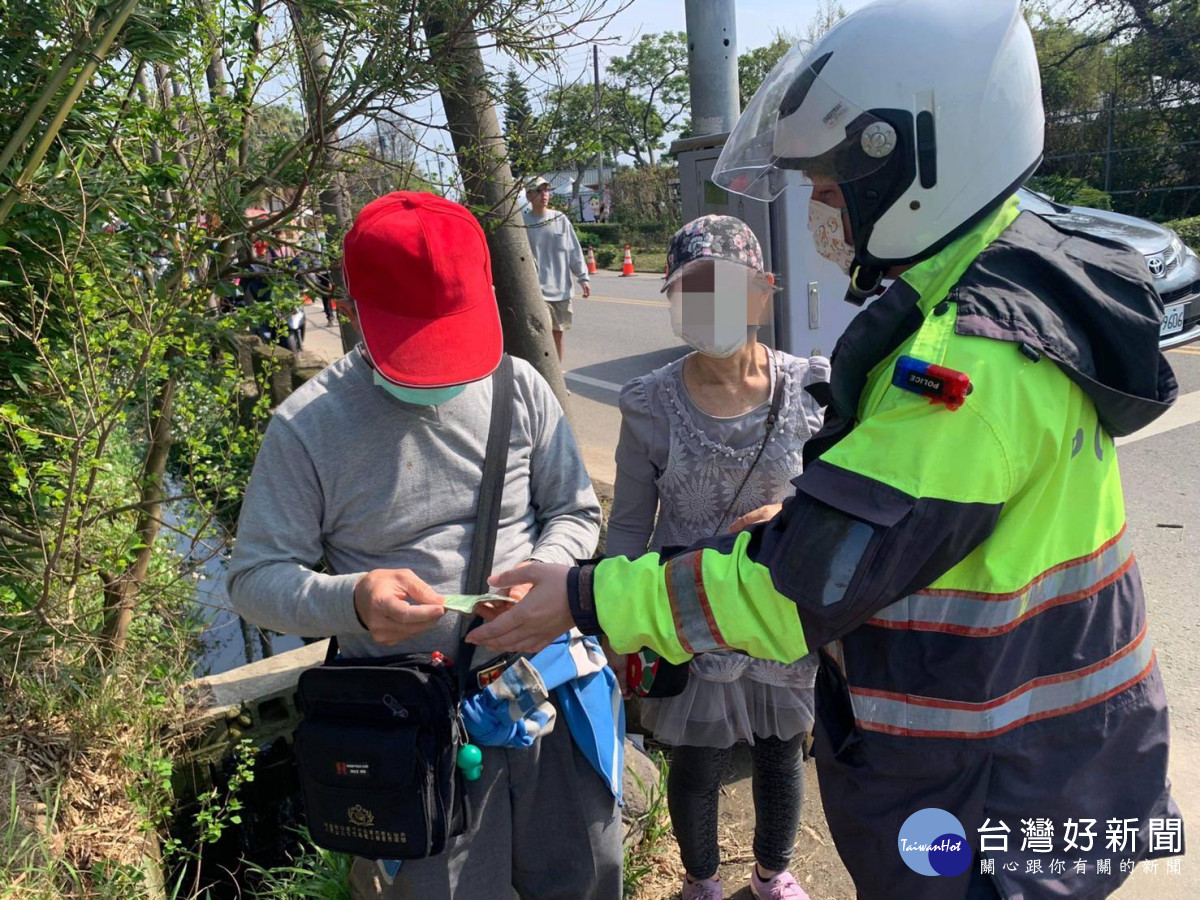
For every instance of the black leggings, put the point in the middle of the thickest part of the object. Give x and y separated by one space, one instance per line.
694 784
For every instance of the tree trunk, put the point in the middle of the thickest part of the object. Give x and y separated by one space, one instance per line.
120 593
314 69
492 194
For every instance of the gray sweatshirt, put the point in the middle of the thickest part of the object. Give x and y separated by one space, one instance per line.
349 474
557 253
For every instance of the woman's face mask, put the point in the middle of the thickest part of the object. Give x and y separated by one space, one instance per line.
710 307
420 396
825 223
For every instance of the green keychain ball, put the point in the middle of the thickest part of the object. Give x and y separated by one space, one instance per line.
470 760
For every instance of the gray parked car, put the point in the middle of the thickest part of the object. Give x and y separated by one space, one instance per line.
1175 267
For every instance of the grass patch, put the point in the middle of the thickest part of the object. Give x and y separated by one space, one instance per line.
652 831
315 874
645 262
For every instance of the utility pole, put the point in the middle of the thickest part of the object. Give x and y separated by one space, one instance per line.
599 133
712 65
490 191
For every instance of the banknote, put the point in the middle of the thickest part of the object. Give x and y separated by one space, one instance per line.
465 603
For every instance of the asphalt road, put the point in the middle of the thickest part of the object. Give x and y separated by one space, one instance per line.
624 331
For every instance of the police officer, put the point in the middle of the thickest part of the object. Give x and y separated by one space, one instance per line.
957 545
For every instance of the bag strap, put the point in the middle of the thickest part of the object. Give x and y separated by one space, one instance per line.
772 416
487 516
495 463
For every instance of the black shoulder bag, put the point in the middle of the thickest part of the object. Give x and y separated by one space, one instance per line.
378 745
646 673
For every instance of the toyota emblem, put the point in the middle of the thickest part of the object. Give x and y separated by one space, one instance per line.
1156 266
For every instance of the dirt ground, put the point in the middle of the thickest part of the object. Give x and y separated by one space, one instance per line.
816 864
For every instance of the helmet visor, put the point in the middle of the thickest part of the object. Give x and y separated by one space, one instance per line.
798 130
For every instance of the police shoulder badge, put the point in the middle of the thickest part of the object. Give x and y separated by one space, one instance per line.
939 384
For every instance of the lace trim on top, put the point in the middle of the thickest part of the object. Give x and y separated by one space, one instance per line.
673 387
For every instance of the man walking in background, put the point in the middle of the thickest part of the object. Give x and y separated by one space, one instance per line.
558 255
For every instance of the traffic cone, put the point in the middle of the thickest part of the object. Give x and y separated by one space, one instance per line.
591 262
627 266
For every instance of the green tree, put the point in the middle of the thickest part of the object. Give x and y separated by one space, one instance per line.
755 65
571 138
1121 82
520 131
647 94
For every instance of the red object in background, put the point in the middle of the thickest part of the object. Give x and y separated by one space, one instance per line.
627 265
633 671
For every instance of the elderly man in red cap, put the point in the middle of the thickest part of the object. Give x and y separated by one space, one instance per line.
374 468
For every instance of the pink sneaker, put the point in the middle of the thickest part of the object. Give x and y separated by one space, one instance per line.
782 887
709 889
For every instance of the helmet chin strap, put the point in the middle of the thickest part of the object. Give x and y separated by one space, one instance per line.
864 283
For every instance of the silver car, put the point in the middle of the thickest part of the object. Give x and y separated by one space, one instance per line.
1174 266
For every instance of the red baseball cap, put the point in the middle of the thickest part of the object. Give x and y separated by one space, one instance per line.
418 269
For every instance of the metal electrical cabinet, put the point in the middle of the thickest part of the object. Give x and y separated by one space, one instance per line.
810 314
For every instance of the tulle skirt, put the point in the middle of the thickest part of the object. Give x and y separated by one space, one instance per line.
730 698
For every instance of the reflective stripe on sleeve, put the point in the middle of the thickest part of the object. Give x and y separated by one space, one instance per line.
987 614
695 625
1040 698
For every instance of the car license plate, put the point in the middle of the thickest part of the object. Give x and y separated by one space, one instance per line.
1172 319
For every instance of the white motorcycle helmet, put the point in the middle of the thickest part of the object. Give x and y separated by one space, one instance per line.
927 113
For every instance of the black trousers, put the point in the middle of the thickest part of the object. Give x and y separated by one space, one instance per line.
693 789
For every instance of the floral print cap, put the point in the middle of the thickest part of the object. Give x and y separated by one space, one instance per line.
713 237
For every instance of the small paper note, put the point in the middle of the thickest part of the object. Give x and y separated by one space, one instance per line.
465 603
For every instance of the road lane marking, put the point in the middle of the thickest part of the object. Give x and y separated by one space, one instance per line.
594 382
1186 411
633 302
1191 351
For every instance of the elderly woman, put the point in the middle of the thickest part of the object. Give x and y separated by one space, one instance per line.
710 443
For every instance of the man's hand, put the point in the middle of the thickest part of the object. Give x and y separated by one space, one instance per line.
489 609
587 290
762 514
536 620
396 605
619 663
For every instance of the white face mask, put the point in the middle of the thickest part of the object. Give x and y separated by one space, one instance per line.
714 321
712 342
825 223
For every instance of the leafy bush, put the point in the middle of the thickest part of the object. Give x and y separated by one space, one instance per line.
596 233
1071 191
1188 230
605 256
